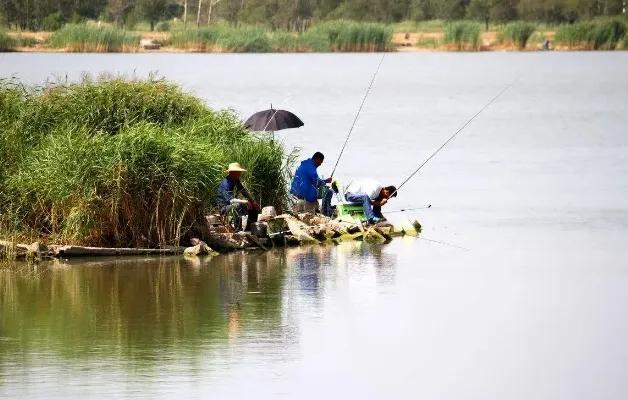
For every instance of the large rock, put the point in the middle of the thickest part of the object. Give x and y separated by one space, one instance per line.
200 249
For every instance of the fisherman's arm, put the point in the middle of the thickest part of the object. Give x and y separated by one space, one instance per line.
379 202
247 195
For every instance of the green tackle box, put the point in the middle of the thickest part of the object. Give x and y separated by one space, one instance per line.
353 210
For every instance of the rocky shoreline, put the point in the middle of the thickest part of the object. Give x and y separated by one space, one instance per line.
284 230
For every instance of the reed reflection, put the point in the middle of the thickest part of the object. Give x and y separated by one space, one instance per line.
138 308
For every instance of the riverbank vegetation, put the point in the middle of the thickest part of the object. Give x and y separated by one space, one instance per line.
315 26
593 35
516 34
344 36
111 162
462 35
7 43
93 38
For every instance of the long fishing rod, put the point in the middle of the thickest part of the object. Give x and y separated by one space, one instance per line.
358 114
410 209
275 113
455 134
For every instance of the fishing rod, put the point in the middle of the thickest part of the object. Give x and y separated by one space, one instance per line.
410 209
275 113
455 134
357 114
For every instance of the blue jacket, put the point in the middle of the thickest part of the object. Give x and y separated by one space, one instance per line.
227 190
306 181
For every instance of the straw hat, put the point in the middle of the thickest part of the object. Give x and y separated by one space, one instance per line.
235 167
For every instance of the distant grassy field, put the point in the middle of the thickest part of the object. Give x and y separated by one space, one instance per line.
330 36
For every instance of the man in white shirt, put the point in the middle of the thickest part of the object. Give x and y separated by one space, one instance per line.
372 195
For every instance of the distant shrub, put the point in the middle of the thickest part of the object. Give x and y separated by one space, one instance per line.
517 33
92 38
201 39
352 36
163 26
244 40
53 22
594 35
7 43
463 35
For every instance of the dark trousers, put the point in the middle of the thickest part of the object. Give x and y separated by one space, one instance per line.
237 211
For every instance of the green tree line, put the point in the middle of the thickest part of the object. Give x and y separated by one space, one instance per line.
295 14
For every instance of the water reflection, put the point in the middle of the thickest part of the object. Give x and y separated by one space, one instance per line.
139 311
134 308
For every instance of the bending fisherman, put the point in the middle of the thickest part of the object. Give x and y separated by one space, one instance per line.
372 195
227 198
306 182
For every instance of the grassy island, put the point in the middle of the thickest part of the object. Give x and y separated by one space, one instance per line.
113 162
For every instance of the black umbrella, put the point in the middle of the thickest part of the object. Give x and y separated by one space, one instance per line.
272 120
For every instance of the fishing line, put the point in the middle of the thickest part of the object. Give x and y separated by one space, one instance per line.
455 134
443 243
275 113
358 114
410 209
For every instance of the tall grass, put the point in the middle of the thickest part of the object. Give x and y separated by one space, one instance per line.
603 34
463 35
222 37
92 38
516 33
329 36
138 165
353 36
7 43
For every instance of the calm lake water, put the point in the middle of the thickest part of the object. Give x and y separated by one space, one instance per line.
535 191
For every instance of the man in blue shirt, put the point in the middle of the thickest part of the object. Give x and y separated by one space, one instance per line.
227 200
306 182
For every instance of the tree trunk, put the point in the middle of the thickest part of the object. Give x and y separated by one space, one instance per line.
185 13
212 3
152 25
198 13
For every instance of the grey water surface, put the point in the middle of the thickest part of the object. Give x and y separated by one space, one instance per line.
535 191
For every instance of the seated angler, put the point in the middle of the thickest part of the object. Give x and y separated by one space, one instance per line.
372 195
306 182
227 198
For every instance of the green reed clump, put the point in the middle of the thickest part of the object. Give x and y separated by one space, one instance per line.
602 34
463 35
7 43
142 181
244 40
352 36
201 39
516 33
286 42
221 37
92 38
